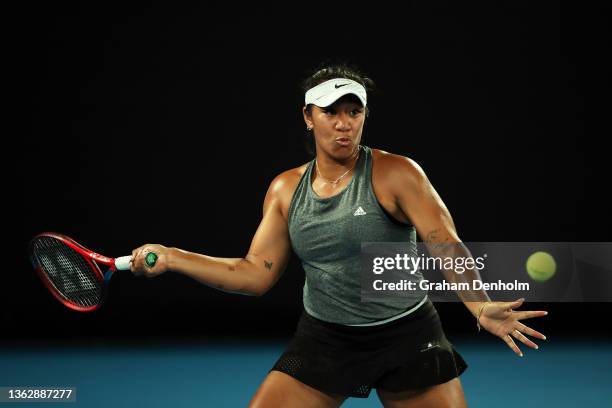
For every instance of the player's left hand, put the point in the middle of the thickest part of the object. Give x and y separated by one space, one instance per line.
500 319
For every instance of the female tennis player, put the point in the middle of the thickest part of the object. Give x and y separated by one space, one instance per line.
348 194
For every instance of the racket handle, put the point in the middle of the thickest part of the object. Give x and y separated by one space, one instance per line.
123 262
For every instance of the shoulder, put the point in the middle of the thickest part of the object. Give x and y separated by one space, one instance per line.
287 181
396 169
283 186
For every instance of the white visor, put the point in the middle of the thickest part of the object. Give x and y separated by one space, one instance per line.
330 91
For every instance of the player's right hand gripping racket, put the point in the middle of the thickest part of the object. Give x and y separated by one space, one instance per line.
72 273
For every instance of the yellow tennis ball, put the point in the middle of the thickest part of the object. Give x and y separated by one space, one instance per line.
541 266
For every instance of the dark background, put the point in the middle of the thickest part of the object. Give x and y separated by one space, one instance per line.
166 124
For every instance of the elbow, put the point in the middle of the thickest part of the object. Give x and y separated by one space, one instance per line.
246 290
259 290
252 286
256 283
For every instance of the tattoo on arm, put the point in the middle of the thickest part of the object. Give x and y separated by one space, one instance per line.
431 236
433 239
267 264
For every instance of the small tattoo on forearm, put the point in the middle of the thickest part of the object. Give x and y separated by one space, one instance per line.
231 268
268 264
433 240
432 236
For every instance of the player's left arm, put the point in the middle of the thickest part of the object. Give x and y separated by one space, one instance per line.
419 201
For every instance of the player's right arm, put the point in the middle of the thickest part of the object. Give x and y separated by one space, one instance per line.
254 274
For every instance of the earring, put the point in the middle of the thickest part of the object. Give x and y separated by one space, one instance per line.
308 128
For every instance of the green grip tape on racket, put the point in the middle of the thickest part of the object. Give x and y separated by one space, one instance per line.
151 259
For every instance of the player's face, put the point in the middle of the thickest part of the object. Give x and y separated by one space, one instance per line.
338 127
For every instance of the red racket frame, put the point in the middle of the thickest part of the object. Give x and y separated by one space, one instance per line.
88 255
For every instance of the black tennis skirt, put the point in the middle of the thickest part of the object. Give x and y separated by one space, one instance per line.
406 354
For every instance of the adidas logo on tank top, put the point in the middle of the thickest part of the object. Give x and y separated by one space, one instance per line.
359 211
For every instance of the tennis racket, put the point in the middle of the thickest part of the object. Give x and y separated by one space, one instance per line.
72 272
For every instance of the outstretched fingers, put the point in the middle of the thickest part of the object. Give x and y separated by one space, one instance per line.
530 314
529 331
512 345
521 337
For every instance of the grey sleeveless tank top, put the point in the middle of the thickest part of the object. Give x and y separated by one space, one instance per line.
326 234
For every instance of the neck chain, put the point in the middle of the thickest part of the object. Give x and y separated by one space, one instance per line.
336 181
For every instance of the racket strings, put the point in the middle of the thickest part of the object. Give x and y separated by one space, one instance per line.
71 275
